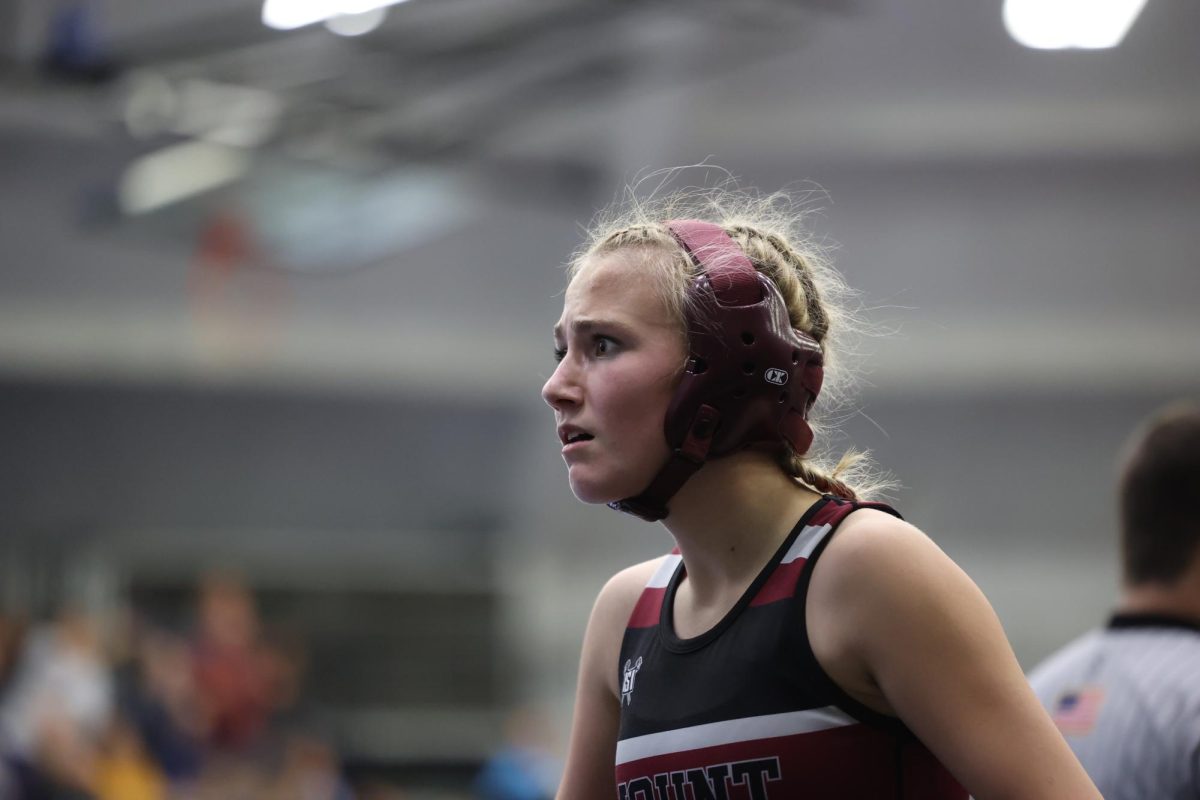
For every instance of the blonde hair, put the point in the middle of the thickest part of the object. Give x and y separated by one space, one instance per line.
767 229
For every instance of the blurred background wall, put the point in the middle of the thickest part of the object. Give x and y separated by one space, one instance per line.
275 306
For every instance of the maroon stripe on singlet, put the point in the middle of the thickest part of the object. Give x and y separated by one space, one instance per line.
856 761
830 513
649 606
782 583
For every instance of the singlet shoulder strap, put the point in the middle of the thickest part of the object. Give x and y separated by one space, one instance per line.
833 512
830 517
649 605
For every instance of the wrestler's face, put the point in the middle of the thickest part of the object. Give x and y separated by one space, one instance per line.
621 356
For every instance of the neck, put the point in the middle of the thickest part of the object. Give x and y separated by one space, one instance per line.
731 516
1181 598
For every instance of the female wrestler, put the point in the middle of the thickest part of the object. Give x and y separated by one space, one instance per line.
765 657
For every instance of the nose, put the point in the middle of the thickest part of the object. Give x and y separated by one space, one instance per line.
562 391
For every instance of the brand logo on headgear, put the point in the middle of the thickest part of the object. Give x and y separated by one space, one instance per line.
631 671
776 376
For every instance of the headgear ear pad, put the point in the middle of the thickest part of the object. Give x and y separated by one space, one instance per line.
750 378
749 364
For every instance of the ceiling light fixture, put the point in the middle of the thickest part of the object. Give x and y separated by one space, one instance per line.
1070 24
356 24
285 15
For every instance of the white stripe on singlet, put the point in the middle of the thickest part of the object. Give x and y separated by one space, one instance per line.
806 542
662 575
731 731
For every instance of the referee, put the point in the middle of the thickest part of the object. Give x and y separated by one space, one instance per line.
1127 697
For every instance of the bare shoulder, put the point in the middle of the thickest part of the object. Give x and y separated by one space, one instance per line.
903 630
875 549
620 594
610 615
871 529
879 581
592 751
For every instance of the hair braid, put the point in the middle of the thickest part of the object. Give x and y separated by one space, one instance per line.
819 320
807 472
772 255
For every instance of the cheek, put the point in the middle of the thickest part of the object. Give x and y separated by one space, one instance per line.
661 390
640 402
643 411
633 411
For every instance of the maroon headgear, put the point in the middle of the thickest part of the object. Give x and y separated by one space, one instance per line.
750 379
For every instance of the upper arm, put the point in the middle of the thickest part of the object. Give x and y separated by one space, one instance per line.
591 755
927 637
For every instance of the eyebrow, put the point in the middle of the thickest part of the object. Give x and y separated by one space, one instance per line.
586 325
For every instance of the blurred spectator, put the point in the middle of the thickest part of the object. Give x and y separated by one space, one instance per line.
160 700
227 778
378 790
283 659
12 632
124 770
57 708
214 716
310 771
525 768
232 683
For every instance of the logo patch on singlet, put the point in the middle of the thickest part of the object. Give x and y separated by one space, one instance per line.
629 678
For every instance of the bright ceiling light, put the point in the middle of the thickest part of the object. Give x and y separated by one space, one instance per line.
288 14
356 24
1070 24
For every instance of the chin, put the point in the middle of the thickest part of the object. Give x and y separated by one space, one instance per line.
587 493
600 491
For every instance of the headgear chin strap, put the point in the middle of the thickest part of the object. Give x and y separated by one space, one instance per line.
750 378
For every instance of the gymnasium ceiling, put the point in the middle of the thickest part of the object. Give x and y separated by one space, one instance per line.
431 175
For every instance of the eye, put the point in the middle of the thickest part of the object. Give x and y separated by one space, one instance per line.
559 354
603 345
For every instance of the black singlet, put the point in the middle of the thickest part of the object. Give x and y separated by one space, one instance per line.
744 711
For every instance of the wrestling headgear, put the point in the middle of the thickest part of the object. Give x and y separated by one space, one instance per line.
750 378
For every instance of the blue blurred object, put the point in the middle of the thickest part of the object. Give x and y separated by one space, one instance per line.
75 47
518 773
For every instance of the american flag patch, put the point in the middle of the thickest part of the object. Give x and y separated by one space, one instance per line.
1075 712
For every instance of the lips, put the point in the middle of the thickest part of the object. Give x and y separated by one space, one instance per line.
570 434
